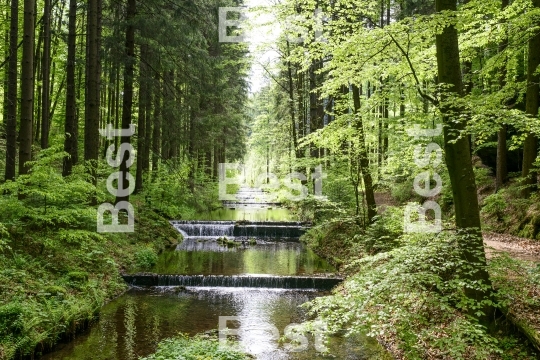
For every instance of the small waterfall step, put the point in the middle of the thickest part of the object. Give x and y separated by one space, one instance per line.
250 196
256 229
249 281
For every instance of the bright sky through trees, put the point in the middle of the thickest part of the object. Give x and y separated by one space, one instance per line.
262 31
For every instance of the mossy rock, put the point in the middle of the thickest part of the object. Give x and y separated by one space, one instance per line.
222 240
172 241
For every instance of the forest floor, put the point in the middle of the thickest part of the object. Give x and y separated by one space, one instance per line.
516 247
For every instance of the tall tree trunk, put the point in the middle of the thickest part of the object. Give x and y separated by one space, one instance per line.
11 120
141 130
364 161
128 94
37 95
148 127
501 166
458 161
46 68
291 103
531 107
192 150
91 116
6 76
27 88
156 135
71 124
501 170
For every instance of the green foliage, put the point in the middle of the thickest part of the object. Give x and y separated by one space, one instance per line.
484 178
224 241
57 271
315 209
383 234
145 258
197 348
506 211
171 196
495 205
11 320
344 237
403 191
414 294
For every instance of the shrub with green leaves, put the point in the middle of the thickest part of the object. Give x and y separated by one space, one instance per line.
495 205
146 258
197 348
57 271
413 294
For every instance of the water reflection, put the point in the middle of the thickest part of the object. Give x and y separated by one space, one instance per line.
132 325
206 257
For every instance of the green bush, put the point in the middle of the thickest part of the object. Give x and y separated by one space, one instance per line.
146 258
495 205
78 276
402 192
483 177
11 319
198 348
334 238
413 294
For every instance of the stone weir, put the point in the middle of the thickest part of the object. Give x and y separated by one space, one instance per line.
247 229
249 281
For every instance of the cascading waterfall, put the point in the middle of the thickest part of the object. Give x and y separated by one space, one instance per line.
201 236
249 281
248 229
202 229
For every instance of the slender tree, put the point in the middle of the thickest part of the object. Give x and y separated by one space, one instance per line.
363 157
46 68
141 130
531 108
502 152
11 106
27 88
128 95
71 122
91 114
156 134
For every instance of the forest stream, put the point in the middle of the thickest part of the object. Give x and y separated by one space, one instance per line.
262 279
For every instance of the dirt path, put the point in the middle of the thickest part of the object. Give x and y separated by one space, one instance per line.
519 248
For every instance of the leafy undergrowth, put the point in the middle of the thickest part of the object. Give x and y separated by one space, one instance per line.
341 239
507 212
407 290
197 348
57 271
518 285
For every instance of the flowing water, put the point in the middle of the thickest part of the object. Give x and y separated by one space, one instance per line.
251 205
261 276
132 325
197 256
